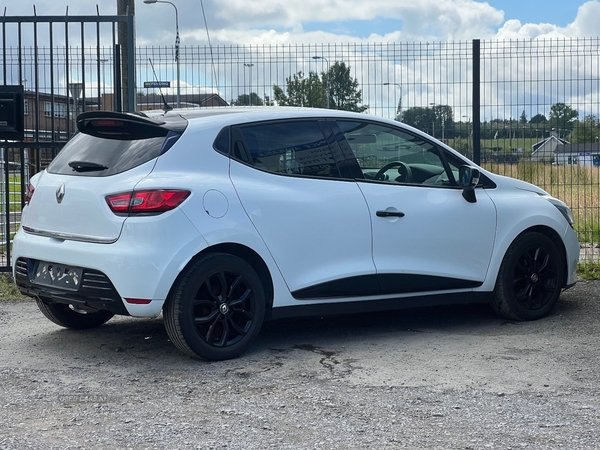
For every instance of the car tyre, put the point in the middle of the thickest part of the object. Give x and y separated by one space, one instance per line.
217 308
530 279
67 317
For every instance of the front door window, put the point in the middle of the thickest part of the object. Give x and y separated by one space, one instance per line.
395 156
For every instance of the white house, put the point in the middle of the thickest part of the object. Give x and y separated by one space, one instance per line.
547 149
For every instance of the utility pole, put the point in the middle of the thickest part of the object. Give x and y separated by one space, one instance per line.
177 42
125 8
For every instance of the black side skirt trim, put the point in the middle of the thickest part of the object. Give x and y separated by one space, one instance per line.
382 284
338 308
407 283
361 286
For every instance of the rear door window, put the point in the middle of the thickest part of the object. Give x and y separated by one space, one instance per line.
294 148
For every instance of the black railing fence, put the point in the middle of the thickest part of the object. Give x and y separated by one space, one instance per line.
527 109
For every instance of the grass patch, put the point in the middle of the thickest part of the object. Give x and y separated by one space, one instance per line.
589 270
8 289
14 192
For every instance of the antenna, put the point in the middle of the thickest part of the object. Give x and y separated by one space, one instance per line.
166 106
212 60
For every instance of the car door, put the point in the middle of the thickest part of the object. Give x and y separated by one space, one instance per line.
313 219
426 236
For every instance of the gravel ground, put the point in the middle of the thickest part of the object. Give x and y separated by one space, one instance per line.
437 378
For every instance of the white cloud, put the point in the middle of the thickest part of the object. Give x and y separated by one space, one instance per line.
283 13
430 19
585 24
284 21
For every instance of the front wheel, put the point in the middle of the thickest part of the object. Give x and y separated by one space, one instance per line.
530 279
217 308
70 317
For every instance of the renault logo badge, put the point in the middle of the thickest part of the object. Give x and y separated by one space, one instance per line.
60 192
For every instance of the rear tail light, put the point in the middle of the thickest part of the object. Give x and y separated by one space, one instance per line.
146 202
29 193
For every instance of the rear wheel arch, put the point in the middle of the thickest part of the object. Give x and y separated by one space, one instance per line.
248 255
217 308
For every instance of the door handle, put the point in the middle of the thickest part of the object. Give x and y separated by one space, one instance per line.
389 214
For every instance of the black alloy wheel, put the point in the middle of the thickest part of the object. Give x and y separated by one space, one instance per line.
217 308
530 279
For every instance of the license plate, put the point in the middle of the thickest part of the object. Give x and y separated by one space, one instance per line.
57 275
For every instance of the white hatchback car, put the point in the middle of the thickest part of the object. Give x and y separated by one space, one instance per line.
224 218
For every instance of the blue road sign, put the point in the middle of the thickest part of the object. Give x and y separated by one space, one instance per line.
157 84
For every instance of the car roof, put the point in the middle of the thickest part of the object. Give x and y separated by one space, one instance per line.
251 113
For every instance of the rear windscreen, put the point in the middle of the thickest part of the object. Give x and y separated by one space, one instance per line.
86 155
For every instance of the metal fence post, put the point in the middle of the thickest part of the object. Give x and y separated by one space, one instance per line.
476 102
118 93
6 203
131 88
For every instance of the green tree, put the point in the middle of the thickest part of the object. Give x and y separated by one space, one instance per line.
436 121
444 121
586 131
302 91
312 90
343 89
523 118
248 100
562 117
538 118
421 118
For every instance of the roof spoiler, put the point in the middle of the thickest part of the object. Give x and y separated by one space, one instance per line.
119 125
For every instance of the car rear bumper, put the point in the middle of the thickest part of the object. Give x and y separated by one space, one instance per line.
95 290
132 275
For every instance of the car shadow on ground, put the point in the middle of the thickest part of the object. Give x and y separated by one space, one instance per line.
147 337
138 339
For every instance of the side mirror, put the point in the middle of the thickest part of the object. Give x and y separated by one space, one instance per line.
468 179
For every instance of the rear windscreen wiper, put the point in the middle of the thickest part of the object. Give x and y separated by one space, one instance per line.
86 166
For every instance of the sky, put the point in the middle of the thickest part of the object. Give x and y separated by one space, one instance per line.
340 21
346 22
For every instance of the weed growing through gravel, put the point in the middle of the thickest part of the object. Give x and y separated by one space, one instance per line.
8 289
